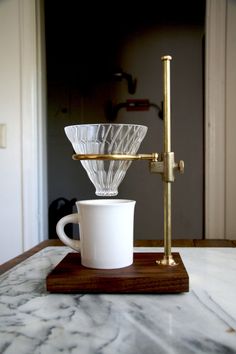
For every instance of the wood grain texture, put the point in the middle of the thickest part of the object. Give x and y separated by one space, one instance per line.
143 276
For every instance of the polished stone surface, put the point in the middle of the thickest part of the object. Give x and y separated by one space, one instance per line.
201 321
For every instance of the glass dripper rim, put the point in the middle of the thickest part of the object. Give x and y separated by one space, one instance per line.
96 124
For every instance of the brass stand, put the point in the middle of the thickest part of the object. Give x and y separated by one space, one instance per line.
163 163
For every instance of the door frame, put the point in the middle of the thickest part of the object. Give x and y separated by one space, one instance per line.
215 119
33 121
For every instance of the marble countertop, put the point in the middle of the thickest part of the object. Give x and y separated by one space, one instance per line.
201 321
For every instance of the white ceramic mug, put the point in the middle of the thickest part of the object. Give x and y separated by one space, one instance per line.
106 232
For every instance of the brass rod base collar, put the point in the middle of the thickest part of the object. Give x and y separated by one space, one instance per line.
167 261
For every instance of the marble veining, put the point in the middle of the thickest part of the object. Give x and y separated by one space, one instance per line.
201 321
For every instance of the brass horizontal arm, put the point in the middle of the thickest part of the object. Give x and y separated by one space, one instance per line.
152 157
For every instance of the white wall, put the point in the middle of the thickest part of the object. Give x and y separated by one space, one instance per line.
11 217
23 166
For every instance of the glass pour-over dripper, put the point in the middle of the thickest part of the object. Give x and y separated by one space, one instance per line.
106 175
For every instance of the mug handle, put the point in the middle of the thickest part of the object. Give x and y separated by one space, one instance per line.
74 219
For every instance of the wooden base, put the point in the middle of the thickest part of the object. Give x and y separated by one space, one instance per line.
143 276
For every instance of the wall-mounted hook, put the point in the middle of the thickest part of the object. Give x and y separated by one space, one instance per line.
132 83
112 110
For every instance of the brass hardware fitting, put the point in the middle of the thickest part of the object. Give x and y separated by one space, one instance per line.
167 260
180 167
153 157
166 166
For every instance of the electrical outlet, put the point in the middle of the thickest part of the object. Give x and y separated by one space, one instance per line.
3 136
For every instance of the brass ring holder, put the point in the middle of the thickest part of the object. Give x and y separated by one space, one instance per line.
163 163
152 157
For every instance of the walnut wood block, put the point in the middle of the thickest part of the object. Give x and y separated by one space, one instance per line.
143 276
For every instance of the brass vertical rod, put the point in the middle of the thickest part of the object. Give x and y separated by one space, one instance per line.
166 103
167 219
168 259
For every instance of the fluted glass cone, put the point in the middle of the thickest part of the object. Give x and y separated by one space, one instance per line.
106 139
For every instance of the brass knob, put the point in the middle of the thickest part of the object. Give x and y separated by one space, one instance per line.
181 166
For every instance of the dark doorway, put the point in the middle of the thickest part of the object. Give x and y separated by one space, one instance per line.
85 45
